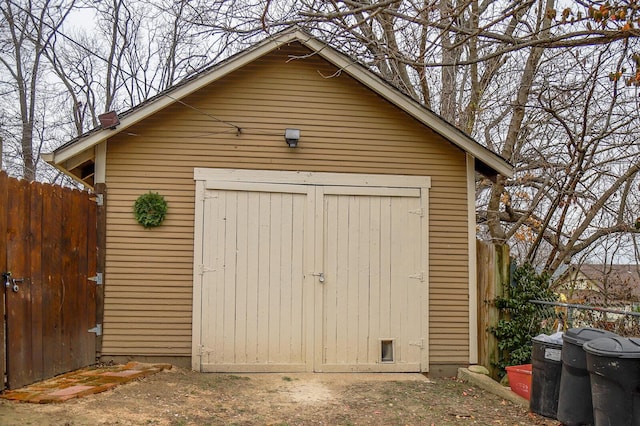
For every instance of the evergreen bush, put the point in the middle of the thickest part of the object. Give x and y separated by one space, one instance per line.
521 320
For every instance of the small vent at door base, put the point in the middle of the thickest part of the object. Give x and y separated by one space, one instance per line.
386 350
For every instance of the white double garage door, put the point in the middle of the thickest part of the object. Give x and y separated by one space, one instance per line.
298 271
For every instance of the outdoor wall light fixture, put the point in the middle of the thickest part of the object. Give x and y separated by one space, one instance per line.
292 136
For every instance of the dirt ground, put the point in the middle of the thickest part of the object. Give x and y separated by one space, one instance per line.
183 397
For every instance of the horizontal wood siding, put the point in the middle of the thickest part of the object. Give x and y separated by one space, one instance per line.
344 126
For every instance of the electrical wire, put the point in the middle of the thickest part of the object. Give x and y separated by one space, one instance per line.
158 92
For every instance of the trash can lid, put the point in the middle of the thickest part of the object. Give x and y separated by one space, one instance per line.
615 347
552 340
579 336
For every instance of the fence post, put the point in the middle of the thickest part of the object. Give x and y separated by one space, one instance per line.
493 271
4 199
101 229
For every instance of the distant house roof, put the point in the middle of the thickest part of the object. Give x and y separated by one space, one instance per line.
76 156
618 281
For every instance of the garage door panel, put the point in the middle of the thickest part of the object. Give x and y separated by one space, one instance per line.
250 354
372 368
212 303
411 279
253 296
376 252
276 285
329 306
261 302
263 261
372 251
384 285
363 257
296 318
253 368
219 262
230 271
243 294
402 267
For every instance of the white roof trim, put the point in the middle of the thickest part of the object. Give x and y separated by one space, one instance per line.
344 63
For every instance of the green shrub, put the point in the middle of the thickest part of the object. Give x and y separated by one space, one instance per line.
521 320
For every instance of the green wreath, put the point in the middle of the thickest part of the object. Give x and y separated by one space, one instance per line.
150 209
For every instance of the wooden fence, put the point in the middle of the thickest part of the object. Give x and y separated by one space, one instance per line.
47 258
493 275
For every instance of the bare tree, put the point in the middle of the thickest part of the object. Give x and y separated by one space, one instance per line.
553 90
129 59
543 87
27 33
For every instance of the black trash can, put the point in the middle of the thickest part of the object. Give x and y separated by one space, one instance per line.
614 367
574 403
545 377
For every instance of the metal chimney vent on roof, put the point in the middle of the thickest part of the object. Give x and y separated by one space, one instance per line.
109 120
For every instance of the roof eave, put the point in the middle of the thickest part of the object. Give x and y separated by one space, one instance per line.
49 158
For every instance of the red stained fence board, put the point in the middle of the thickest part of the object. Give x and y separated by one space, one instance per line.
48 243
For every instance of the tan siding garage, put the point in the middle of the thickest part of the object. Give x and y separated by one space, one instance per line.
233 117
360 133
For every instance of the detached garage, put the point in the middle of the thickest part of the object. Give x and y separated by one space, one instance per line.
348 247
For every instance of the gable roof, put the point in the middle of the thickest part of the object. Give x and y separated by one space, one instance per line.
78 152
619 281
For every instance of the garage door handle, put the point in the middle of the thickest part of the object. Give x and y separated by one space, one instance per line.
320 276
